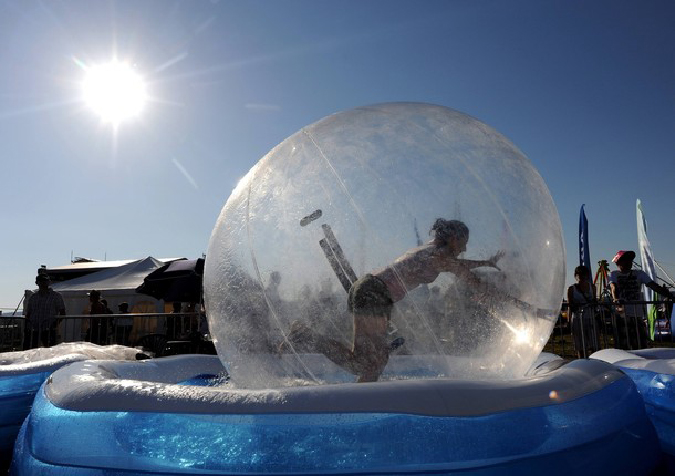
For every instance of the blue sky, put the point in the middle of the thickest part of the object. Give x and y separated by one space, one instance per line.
586 89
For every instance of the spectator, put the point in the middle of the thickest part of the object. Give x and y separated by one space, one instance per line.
625 285
105 306
41 310
581 298
97 333
123 325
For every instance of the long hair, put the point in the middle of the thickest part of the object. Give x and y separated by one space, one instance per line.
444 230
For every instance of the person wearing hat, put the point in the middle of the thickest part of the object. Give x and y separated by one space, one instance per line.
41 310
626 286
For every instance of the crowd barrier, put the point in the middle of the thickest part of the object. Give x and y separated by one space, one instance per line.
611 326
160 333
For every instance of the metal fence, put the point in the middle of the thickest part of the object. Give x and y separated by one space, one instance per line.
160 333
601 326
608 325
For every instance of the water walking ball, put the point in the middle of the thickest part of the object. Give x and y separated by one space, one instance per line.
347 196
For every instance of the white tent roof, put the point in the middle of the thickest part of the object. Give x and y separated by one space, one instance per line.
129 276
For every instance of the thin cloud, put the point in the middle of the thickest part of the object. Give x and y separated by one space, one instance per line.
185 173
171 62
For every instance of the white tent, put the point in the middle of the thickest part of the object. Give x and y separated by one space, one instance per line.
117 285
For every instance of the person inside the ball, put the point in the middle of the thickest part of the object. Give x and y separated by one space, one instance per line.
372 297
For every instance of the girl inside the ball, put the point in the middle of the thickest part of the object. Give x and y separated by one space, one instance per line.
371 299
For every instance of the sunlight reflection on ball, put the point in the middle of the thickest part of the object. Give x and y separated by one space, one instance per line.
381 175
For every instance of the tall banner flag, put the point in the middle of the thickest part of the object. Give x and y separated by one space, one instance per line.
647 259
584 250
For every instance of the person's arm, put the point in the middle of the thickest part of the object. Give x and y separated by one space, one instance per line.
662 290
570 300
61 306
462 269
618 302
60 311
491 262
614 291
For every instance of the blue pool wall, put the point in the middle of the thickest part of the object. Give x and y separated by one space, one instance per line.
658 393
652 372
16 398
602 433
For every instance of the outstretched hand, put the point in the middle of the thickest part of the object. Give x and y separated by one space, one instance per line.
492 261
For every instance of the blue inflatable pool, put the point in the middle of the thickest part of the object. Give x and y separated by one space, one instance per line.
22 373
653 371
114 418
16 398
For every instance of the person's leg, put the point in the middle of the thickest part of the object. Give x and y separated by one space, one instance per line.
48 337
126 332
371 304
370 347
371 307
576 334
622 332
303 339
28 333
94 331
587 335
642 333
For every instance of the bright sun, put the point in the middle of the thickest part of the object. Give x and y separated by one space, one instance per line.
114 91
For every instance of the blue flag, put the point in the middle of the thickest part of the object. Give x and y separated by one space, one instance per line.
584 250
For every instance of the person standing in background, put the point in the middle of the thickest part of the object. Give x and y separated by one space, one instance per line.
41 310
123 325
626 287
97 333
581 297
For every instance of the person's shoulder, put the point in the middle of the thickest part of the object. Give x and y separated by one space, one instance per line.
417 253
56 294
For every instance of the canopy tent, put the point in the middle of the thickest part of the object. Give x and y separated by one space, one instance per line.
178 281
126 277
83 266
116 285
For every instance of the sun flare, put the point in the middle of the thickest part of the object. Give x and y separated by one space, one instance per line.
114 91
